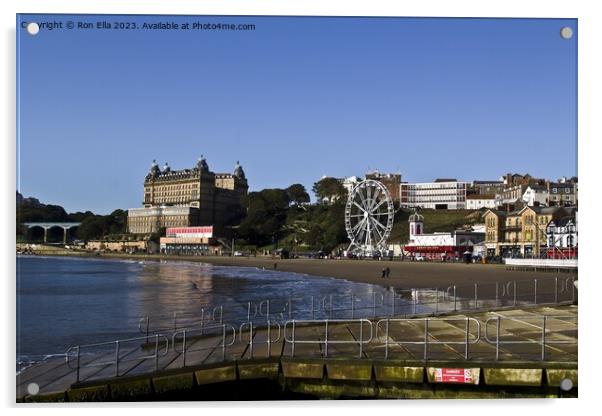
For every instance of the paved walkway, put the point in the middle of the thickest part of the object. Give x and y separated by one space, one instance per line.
462 337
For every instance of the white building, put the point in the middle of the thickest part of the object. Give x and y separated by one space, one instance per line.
442 244
482 201
513 193
562 233
441 194
536 195
349 183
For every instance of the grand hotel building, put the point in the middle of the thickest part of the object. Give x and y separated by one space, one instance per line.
189 197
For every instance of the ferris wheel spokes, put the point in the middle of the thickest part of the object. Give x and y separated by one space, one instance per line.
369 217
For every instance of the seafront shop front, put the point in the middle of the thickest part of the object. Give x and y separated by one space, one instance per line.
438 252
195 241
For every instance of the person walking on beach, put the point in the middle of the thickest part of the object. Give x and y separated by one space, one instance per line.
384 273
387 272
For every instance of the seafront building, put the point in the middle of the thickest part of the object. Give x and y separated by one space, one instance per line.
190 241
521 233
189 197
441 245
440 194
563 237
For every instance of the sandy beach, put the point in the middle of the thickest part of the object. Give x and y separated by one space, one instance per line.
403 275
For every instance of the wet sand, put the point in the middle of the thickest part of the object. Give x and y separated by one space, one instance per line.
403 275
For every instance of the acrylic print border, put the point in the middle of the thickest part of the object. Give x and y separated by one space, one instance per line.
581 30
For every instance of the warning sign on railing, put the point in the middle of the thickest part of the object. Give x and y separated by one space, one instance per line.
454 375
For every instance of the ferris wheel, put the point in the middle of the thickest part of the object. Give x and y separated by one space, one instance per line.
369 217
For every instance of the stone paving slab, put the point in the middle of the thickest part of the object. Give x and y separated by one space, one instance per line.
520 341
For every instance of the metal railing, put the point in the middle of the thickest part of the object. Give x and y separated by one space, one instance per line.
181 320
184 337
75 352
400 303
427 339
324 339
543 339
251 329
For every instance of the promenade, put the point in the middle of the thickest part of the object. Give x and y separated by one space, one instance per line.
509 352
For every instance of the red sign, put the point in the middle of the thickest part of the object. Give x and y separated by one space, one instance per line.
454 375
197 232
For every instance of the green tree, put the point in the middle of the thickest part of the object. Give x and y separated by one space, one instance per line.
297 194
92 228
267 212
329 190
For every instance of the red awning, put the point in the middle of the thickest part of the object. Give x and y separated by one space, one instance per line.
436 249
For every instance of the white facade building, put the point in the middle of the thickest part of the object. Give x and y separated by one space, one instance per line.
536 195
349 183
482 201
441 194
562 233
441 245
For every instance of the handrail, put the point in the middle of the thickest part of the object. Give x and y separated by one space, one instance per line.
269 341
117 354
422 301
225 328
326 341
544 341
426 341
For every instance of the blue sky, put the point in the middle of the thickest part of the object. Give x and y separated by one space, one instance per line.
295 99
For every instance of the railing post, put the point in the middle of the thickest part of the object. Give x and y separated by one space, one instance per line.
497 288
455 299
269 339
497 339
426 337
184 349
326 341
156 352
248 311
573 290
223 342
466 339
387 341
361 338
476 295
556 289
251 338
535 291
116 358
293 343
77 366
514 295
221 314
543 339
415 299
202 320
